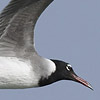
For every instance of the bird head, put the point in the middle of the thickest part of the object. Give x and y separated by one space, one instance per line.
64 71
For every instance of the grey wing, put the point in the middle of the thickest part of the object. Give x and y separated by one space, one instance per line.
17 22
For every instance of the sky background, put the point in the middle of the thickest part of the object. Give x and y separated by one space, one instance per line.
68 30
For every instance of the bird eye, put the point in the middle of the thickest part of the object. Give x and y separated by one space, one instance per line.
68 67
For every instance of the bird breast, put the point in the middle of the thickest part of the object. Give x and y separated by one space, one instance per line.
15 73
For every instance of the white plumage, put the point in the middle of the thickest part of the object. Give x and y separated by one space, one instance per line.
18 73
15 73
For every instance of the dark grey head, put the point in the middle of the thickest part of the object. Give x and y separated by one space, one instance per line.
63 71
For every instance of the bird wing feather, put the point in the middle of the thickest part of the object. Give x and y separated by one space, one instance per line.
17 22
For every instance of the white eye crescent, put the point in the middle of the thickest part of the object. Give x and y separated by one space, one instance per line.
68 67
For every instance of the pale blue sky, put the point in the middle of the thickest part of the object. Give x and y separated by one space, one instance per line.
68 30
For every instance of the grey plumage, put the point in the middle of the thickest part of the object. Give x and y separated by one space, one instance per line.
17 22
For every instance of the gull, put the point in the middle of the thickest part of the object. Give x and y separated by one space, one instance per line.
20 65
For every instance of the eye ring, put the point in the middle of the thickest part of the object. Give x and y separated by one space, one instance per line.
68 67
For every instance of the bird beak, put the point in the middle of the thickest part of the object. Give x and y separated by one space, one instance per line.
82 81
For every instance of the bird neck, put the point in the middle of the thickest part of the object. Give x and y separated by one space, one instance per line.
49 80
53 77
